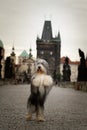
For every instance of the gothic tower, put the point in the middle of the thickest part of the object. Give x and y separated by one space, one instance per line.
49 48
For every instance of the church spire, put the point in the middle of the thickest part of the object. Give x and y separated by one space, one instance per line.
30 54
13 55
13 51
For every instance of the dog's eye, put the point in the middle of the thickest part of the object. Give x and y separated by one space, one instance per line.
37 63
42 63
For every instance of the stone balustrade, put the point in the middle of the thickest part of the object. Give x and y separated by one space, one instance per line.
76 85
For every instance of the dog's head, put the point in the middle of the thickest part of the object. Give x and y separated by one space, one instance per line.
41 66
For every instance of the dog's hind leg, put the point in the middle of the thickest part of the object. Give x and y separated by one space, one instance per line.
40 113
31 109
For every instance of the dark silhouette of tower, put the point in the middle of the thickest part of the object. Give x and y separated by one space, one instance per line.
49 48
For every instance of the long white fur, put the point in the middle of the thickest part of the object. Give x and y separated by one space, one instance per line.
41 81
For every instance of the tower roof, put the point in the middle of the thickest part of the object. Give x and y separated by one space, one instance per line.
59 36
12 54
47 31
24 54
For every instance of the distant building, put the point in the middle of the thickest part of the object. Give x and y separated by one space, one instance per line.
23 57
25 61
49 47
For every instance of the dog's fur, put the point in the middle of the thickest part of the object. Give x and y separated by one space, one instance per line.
41 84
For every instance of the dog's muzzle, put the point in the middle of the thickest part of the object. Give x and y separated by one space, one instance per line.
39 70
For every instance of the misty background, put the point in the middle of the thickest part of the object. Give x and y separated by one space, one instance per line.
22 20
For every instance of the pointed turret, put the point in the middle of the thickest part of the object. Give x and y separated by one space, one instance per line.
13 51
30 54
47 31
13 55
59 37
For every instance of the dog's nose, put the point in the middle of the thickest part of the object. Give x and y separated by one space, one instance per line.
39 67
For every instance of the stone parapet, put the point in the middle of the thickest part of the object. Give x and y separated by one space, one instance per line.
81 86
76 85
1 83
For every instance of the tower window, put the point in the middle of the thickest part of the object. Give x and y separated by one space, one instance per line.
42 52
48 40
47 27
51 53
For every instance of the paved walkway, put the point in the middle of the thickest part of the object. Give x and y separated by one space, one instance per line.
65 109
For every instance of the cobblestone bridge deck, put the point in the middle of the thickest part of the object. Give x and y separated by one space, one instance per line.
65 109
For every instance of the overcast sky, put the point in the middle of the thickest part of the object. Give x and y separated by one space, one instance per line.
22 20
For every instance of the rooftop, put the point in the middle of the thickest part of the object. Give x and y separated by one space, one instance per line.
24 54
70 62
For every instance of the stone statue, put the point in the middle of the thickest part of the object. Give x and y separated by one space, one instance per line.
66 70
8 68
1 57
82 70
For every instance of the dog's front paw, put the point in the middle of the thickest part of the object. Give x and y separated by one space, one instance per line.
28 117
40 118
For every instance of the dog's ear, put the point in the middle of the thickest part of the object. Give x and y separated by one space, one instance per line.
46 65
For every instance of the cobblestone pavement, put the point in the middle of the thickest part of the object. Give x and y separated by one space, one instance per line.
65 109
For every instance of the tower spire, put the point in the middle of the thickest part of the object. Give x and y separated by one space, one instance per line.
59 37
13 51
13 55
30 54
47 31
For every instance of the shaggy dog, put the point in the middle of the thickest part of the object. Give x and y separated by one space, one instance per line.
41 84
